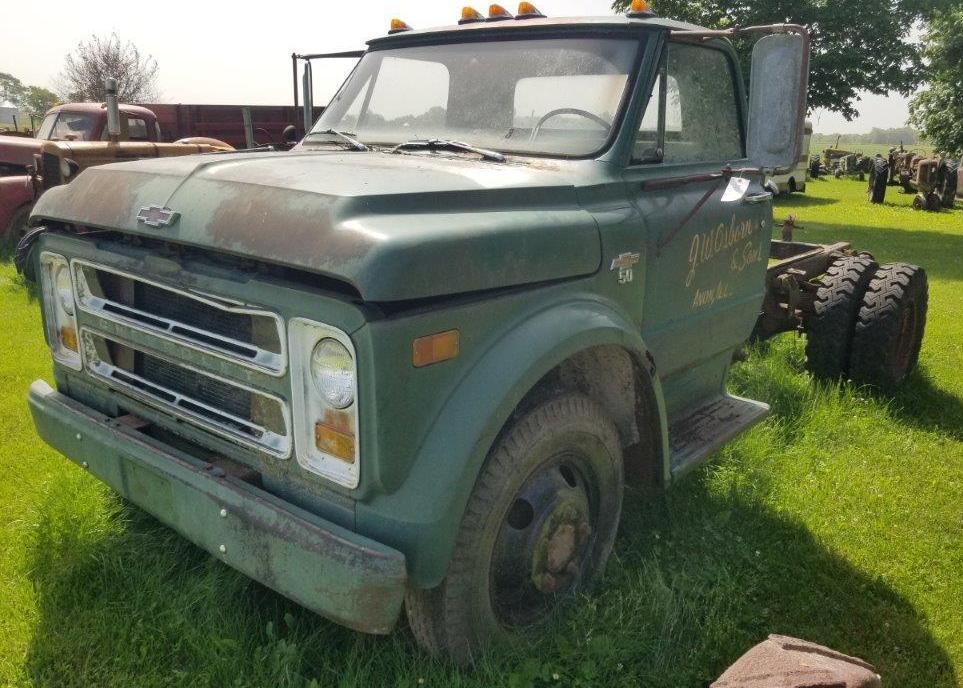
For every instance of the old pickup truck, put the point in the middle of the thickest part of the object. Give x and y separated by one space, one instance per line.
412 362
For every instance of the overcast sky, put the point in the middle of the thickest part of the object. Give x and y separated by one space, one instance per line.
210 51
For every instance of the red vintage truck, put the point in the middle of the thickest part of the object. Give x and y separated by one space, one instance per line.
80 131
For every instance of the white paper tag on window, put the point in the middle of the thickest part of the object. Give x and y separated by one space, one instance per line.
738 186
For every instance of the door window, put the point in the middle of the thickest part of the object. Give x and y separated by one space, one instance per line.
136 129
693 114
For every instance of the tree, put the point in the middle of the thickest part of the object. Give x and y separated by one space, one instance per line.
937 111
37 100
100 57
11 88
860 45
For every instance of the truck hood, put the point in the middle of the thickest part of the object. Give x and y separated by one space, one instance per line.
395 227
18 150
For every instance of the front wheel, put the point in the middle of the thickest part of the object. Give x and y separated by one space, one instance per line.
538 527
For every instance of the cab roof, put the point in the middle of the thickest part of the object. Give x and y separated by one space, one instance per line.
615 22
101 107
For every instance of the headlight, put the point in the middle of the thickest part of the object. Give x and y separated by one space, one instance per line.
332 369
64 288
324 387
58 298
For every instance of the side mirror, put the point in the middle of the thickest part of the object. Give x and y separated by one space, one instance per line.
777 100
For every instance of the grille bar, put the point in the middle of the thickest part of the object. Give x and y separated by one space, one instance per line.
252 418
249 336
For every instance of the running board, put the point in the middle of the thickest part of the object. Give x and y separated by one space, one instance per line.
698 433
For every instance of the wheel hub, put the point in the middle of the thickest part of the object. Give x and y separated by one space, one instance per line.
543 545
558 555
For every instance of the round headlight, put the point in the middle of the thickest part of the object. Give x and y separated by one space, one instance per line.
333 371
65 289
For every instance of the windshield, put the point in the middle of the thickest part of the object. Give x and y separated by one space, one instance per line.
67 126
541 96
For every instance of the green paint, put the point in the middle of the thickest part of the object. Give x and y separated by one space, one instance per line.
516 256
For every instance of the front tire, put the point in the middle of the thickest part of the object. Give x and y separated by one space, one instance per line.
539 526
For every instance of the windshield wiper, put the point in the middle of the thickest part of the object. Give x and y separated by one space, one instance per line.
347 138
435 144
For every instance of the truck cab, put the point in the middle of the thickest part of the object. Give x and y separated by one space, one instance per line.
413 362
88 122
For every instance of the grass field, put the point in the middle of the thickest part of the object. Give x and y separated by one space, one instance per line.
839 519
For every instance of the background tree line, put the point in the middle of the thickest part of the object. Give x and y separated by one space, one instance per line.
83 75
865 45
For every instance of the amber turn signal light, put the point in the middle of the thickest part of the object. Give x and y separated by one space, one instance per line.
334 435
527 10
434 348
640 8
498 13
68 337
469 15
397 25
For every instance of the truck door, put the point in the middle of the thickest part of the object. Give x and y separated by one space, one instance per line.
705 258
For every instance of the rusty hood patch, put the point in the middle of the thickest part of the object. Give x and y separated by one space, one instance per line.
395 227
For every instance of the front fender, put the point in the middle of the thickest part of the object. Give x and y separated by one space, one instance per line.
422 517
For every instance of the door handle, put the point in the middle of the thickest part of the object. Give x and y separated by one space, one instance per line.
762 197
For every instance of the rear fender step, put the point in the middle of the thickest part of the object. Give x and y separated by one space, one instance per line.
701 431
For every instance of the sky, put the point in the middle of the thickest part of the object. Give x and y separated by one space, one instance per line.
211 51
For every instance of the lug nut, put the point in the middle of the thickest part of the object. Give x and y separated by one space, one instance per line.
222 549
223 513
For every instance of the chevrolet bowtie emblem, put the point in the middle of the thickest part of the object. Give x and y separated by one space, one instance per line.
157 216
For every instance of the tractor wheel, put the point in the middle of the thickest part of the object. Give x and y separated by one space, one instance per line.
15 230
792 185
837 173
889 327
877 181
933 202
829 329
23 259
949 188
919 201
538 527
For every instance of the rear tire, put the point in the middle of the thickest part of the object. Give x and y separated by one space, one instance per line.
878 177
829 329
792 185
949 187
890 325
538 527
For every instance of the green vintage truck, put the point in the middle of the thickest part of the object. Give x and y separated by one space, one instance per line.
412 362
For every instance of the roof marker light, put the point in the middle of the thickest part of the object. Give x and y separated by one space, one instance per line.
498 13
469 15
397 26
527 10
640 8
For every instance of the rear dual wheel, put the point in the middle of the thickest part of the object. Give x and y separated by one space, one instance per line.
867 322
889 327
538 527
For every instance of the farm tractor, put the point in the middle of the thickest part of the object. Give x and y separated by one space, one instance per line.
934 180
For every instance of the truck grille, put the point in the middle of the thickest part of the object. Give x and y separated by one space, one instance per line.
227 408
243 334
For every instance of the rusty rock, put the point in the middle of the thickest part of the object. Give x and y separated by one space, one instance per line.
784 662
